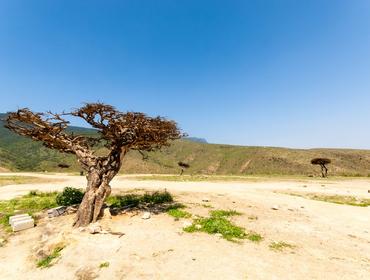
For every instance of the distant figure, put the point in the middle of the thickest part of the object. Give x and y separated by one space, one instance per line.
183 166
322 162
63 165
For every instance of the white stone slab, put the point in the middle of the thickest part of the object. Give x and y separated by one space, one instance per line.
24 224
11 218
20 219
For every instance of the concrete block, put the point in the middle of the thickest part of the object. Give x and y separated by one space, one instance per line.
23 224
11 218
57 211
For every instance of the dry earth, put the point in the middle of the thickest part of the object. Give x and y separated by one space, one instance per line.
331 241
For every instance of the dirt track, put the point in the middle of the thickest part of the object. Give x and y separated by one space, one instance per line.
332 241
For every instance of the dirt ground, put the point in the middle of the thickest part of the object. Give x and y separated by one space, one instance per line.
331 241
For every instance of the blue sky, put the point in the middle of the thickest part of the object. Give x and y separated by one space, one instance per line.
263 72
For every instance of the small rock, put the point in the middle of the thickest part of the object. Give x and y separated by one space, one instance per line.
186 224
198 226
2 242
368 191
219 235
146 216
206 200
275 207
57 211
107 214
94 228
87 272
71 209
302 207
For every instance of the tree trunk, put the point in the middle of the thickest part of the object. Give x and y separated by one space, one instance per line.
97 191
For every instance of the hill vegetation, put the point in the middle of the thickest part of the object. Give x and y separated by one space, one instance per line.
21 154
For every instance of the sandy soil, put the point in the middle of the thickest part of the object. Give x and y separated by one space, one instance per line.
332 241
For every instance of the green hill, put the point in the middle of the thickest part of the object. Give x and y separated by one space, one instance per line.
21 154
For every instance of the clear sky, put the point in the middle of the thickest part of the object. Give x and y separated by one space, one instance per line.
293 73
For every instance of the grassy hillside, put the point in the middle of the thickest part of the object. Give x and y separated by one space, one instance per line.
21 154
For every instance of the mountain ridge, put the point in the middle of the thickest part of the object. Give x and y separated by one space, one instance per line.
22 154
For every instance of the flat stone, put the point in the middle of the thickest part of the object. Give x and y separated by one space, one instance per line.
219 235
275 207
23 224
57 211
146 216
16 217
15 220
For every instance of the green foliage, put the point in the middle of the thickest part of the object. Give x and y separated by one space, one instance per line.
104 265
280 246
224 213
46 262
178 213
133 200
69 196
218 223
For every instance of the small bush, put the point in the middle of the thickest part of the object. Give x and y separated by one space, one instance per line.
280 246
224 213
120 201
104 265
69 196
157 197
46 262
134 200
178 213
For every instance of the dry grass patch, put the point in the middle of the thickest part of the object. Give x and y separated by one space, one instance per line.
338 199
280 246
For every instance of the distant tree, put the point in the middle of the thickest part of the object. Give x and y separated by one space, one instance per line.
118 132
63 165
322 162
183 166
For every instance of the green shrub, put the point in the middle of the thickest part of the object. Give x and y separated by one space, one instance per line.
134 200
69 196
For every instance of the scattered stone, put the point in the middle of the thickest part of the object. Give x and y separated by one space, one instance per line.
186 224
275 207
219 235
198 226
57 211
2 242
302 207
94 228
290 209
146 215
368 191
206 200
